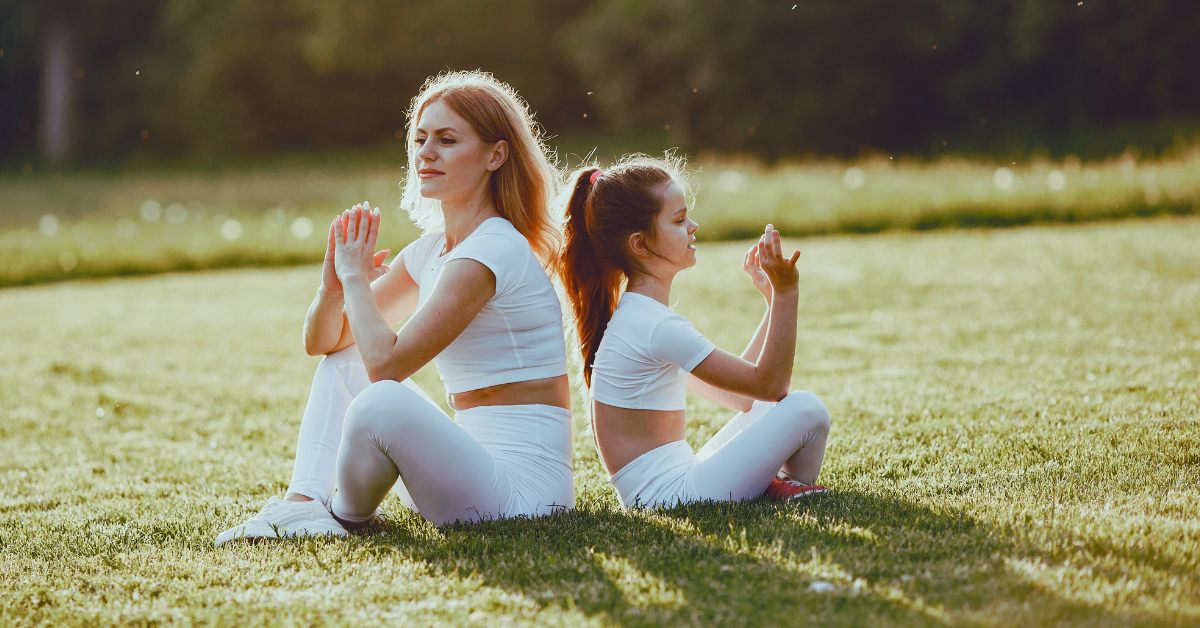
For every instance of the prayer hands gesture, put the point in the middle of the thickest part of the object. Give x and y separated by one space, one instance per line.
349 255
780 272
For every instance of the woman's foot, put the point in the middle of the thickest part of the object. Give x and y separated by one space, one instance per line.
783 487
284 519
375 525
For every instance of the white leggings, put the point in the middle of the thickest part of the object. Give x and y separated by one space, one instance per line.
738 462
495 461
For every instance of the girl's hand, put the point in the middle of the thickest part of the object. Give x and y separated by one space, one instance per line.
780 270
750 265
354 236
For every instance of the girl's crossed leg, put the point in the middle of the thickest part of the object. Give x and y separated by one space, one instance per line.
741 459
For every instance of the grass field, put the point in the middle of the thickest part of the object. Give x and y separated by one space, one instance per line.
56 226
1015 443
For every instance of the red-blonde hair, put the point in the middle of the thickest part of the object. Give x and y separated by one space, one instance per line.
522 188
596 259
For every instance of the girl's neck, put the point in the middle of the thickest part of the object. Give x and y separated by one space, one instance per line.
657 288
462 218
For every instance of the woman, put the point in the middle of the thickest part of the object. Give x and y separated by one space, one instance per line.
482 308
631 225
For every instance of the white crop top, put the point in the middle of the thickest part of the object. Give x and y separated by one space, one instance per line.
645 356
518 335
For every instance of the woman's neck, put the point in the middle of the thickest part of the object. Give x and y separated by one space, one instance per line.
657 288
462 218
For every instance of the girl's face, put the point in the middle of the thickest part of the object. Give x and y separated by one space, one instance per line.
675 236
452 162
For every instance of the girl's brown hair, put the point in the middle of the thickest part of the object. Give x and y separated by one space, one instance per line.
522 188
596 259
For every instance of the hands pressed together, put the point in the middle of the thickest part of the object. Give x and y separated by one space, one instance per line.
770 271
350 252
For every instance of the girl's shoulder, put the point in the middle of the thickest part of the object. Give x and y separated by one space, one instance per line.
639 314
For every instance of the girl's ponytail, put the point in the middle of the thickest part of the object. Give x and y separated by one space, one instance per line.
604 208
591 284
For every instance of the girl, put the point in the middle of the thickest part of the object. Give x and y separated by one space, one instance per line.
482 308
630 225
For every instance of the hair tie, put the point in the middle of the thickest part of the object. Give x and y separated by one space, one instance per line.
596 175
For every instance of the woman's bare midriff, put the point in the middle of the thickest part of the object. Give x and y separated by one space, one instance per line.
623 434
551 391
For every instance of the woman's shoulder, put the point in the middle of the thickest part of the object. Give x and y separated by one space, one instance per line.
496 239
501 230
424 247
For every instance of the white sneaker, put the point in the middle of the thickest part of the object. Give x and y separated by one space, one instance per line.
283 519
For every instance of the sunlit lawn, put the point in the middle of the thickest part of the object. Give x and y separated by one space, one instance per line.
56 226
1015 442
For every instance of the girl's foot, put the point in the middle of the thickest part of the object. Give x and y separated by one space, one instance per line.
783 487
284 519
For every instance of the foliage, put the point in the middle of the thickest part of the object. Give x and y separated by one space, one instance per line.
221 78
229 77
1013 443
829 76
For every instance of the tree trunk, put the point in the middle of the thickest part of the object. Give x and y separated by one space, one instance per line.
58 80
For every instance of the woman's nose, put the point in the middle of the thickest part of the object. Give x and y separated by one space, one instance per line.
427 152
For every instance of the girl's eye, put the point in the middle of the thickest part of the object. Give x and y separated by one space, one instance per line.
447 140
420 141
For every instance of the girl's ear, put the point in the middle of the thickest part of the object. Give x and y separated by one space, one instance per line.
639 246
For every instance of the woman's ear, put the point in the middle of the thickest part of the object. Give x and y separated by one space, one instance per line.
639 246
499 155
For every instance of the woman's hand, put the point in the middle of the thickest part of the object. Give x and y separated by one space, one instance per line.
780 271
330 283
760 279
353 235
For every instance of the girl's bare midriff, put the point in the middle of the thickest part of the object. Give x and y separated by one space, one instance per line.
624 434
551 391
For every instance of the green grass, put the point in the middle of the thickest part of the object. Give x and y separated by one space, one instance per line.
97 227
1014 443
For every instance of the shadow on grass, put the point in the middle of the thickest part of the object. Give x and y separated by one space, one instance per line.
887 559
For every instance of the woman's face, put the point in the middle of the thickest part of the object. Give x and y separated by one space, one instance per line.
675 236
453 164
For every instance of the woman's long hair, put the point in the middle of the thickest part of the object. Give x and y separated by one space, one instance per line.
522 188
596 259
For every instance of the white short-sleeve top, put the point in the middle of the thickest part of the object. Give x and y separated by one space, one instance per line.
645 355
518 335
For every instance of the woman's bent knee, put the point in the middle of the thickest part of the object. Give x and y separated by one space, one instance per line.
349 355
808 408
335 363
378 405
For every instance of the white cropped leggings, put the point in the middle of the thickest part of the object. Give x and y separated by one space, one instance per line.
495 461
738 462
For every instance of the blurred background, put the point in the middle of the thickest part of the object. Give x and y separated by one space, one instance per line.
132 116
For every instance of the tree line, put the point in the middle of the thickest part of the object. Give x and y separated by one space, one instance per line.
95 80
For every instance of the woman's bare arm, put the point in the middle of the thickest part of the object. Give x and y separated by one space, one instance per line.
464 287
325 327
